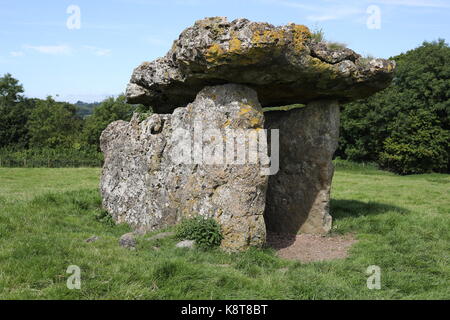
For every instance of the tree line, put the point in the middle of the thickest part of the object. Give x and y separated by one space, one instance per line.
45 132
404 129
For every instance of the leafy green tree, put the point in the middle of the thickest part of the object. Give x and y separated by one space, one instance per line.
10 90
417 144
53 124
14 111
376 129
110 110
425 74
85 109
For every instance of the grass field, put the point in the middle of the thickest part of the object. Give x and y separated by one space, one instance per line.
402 224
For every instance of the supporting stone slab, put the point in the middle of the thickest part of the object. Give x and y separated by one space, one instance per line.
159 170
298 197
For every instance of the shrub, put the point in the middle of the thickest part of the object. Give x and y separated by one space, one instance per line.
205 231
404 128
417 145
104 217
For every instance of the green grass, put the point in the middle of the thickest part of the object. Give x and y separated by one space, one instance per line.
27 183
402 224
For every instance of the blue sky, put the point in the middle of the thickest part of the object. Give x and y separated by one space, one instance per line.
115 36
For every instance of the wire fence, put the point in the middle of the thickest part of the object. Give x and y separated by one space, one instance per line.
7 162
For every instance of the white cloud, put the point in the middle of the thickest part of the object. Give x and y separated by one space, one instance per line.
323 10
99 51
336 13
343 9
293 4
17 54
157 41
415 3
54 50
320 18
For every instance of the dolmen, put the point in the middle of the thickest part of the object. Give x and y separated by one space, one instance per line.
217 147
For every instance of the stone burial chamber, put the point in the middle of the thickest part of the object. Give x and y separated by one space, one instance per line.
211 150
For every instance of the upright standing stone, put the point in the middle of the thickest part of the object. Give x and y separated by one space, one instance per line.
298 197
168 167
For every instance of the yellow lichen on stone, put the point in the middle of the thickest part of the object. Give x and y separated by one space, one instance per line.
245 108
216 55
255 121
321 67
252 115
214 52
227 123
390 67
300 33
269 37
235 45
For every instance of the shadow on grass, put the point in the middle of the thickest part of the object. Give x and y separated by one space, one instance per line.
352 208
340 209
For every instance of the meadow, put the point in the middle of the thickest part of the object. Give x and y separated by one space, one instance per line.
402 224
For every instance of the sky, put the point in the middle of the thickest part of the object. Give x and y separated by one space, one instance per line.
87 49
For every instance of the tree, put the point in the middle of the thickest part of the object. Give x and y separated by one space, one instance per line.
14 111
387 128
53 124
417 144
10 90
110 110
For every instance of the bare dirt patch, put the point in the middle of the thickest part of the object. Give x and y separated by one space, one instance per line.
311 248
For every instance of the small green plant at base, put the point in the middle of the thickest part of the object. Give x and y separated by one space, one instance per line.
205 231
104 217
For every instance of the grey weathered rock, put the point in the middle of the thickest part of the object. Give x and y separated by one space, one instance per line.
283 64
128 241
145 184
161 235
189 244
298 197
92 239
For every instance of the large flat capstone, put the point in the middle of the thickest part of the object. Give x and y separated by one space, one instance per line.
284 65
